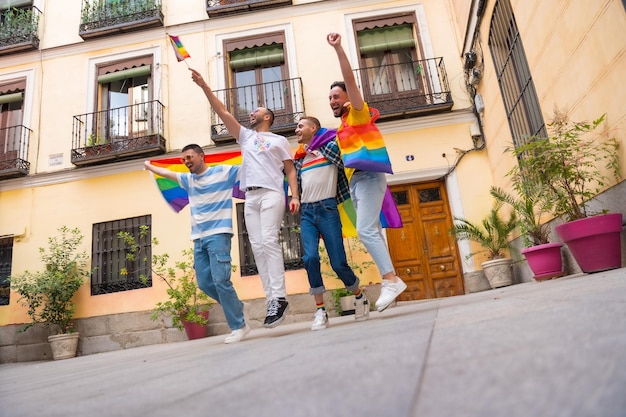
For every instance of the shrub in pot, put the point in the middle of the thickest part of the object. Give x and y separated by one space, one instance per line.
48 294
492 234
530 201
574 163
187 305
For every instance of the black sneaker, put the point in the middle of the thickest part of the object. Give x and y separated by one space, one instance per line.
276 312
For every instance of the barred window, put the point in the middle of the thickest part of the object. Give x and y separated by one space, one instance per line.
6 255
109 256
289 239
516 83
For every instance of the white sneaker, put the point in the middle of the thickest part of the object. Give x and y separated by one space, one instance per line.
389 292
361 308
238 335
321 320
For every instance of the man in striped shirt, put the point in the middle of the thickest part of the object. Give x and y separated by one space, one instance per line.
211 206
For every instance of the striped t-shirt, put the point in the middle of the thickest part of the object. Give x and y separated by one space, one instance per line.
210 199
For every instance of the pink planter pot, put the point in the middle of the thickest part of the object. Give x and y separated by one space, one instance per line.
594 241
196 331
545 260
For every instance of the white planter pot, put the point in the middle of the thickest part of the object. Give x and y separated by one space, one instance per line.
498 272
63 346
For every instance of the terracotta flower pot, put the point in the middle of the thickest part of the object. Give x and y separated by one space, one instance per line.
594 241
545 260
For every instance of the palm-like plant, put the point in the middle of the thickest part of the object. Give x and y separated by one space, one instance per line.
530 201
492 234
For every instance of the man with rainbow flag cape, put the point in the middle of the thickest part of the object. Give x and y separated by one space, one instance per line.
208 189
323 188
361 142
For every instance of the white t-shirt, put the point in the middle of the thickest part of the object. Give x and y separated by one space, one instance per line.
262 164
319 178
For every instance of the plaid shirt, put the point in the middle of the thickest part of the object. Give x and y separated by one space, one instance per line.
331 152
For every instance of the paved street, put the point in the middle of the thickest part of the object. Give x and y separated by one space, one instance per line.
555 348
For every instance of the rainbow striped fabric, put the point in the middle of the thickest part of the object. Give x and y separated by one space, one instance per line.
179 49
363 147
175 196
389 214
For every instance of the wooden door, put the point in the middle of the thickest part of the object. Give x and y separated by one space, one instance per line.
424 253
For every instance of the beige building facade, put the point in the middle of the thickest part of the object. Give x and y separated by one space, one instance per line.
91 89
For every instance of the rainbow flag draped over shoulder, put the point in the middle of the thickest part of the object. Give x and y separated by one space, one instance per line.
175 196
363 146
389 214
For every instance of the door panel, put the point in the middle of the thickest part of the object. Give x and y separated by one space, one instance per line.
424 253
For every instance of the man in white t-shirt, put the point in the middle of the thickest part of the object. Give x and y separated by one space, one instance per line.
210 201
266 159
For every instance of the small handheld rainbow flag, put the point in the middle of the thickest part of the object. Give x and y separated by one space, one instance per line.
179 49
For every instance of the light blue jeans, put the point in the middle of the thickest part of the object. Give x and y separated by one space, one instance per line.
367 190
212 262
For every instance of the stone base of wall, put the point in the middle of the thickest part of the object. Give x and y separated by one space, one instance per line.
125 331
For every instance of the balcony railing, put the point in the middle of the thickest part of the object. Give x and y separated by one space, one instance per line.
216 8
283 97
18 30
14 151
104 17
406 90
118 134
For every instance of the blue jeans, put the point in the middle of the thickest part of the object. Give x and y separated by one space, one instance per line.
322 218
367 190
212 264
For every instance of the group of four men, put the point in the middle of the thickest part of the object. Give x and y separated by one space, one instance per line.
318 181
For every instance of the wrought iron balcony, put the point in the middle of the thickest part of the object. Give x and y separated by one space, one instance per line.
406 90
14 151
216 8
105 17
18 30
283 97
118 134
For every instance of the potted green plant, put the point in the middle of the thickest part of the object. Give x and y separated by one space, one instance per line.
343 300
574 164
187 305
531 203
48 294
492 234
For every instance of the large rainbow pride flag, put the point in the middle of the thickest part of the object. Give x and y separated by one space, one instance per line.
175 196
389 214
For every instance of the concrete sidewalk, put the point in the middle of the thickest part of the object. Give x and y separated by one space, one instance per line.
555 348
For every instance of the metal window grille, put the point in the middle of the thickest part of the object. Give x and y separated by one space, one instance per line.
109 256
289 239
516 83
6 255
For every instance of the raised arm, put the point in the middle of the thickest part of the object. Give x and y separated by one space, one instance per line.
163 172
354 94
229 120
